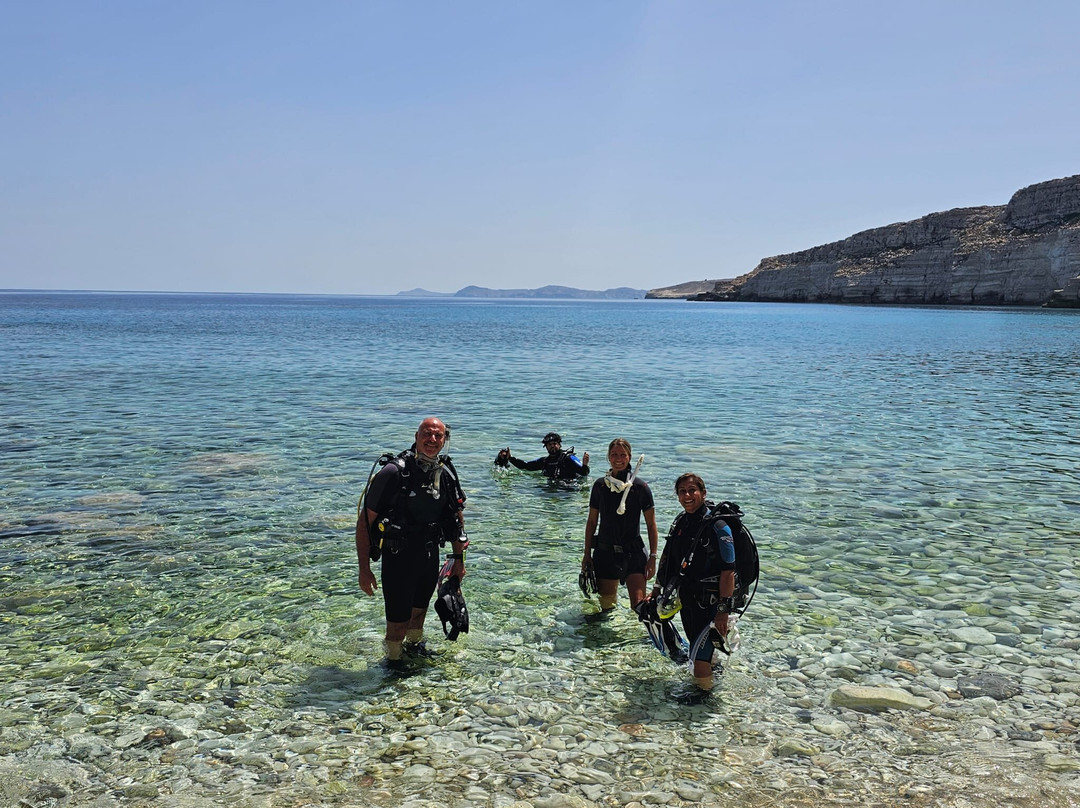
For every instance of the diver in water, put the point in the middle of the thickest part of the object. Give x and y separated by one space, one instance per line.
696 576
411 507
557 465
615 553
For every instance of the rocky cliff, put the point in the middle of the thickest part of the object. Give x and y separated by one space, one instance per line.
1024 253
681 291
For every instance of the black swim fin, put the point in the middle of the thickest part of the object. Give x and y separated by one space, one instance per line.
586 581
674 643
450 603
654 627
663 634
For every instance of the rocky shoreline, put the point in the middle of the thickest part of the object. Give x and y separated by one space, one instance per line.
1025 253
827 717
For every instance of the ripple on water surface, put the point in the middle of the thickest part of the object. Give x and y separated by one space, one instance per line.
177 580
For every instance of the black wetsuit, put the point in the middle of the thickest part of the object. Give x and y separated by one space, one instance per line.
618 549
422 519
560 466
700 588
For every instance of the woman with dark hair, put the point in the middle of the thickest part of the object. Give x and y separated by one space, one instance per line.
697 574
615 552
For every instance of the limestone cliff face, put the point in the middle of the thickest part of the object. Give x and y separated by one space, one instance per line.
1016 254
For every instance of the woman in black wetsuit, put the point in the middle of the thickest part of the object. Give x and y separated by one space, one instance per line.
616 552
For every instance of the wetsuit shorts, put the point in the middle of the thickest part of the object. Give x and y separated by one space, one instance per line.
618 561
409 578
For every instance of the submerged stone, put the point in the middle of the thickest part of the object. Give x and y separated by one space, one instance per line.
973 635
831 727
1061 763
874 699
988 684
795 747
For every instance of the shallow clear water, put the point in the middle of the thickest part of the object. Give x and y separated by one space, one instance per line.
179 480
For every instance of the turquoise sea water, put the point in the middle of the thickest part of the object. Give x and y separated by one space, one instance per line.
178 483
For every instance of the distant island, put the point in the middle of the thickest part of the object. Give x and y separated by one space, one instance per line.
545 292
418 292
1025 253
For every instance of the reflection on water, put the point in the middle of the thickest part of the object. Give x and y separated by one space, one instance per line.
177 578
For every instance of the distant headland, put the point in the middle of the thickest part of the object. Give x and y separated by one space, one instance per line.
690 289
1025 253
544 292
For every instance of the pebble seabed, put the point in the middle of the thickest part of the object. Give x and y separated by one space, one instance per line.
560 711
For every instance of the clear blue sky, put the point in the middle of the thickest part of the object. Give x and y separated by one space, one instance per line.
373 147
